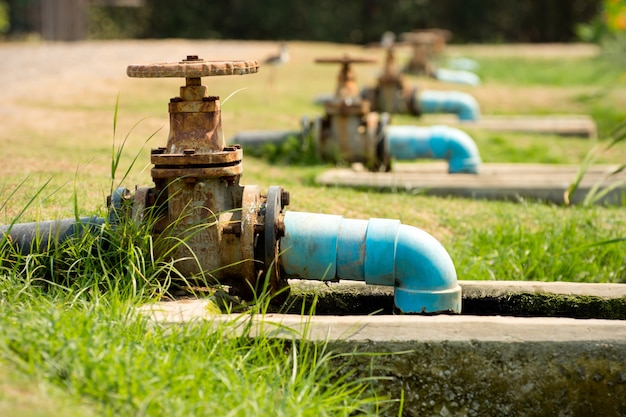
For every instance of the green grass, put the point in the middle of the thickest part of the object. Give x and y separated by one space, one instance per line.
545 244
553 72
70 337
68 320
111 361
28 396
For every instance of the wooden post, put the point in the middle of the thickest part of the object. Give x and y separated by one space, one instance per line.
64 20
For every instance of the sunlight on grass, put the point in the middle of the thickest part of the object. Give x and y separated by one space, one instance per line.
103 352
67 315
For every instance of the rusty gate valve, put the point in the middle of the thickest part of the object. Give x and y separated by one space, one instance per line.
391 94
427 45
349 131
195 140
391 72
347 88
230 232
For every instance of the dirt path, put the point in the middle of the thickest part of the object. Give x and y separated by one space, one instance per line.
51 68
48 71
45 69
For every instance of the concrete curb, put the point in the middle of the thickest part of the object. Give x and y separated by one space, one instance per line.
512 182
463 364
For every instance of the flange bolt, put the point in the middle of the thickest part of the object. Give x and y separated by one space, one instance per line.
284 198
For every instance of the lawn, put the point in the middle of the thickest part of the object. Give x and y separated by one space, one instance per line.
80 346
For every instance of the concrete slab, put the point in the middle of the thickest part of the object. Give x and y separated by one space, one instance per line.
465 364
494 182
401 328
560 125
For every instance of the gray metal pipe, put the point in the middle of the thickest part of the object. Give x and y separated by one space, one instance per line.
256 139
45 235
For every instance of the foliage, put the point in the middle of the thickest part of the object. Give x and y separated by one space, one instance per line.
5 23
609 22
115 22
353 21
614 15
294 150
599 191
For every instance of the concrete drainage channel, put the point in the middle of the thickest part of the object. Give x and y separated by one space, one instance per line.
519 348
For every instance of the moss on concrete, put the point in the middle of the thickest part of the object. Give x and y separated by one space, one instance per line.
363 300
548 305
477 378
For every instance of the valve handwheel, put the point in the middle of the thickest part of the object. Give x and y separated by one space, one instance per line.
193 67
346 60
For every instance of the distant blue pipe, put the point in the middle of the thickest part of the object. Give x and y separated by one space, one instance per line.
462 104
437 142
461 63
379 251
457 76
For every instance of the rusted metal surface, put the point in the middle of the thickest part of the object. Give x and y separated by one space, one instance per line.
392 94
274 230
348 130
437 38
346 80
209 225
189 157
426 46
197 173
193 68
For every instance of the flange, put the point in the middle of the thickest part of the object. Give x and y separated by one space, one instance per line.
274 229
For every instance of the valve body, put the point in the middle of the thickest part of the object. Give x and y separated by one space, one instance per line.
213 227
349 131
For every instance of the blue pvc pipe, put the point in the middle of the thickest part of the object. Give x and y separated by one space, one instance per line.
457 76
379 251
460 63
462 104
438 142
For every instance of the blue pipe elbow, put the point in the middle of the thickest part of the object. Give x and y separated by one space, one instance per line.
379 252
426 280
437 142
462 104
457 76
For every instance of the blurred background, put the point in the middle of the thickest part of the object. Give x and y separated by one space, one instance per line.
347 21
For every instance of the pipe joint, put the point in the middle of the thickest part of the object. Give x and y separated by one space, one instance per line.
438 142
379 252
